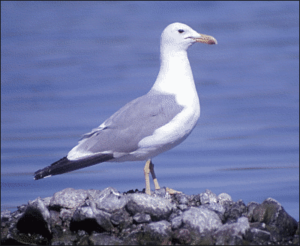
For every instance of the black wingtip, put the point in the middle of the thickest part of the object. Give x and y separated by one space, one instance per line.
52 169
64 165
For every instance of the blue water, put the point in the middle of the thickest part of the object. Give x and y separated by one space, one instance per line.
67 66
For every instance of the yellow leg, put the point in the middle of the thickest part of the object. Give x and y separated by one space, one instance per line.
172 191
149 167
154 176
147 171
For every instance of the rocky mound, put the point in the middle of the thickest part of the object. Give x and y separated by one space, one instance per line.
95 217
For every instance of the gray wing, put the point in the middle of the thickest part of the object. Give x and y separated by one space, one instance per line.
128 126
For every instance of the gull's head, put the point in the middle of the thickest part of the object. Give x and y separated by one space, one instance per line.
181 36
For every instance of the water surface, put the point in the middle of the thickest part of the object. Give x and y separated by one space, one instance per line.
67 66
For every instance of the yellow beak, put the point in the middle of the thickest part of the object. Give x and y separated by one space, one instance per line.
206 39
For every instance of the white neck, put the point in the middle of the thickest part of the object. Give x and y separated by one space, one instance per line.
175 76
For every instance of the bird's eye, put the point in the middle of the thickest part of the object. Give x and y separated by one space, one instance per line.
180 31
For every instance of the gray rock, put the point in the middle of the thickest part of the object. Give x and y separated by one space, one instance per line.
83 213
104 239
182 207
175 213
103 220
201 219
39 204
161 193
176 222
181 198
134 235
208 197
47 200
257 236
122 219
5 215
86 213
85 220
217 208
278 221
39 215
141 218
158 232
158 208
296 236
39 218
258 225
183 236
232 234
66 214
224 198
55 219
66 238
68 198
250 208
235 211
161 227
92 193
192 201
243 225
109 200
196 200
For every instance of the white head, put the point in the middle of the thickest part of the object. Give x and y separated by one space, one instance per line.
179 36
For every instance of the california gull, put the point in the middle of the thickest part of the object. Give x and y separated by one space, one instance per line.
150 124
